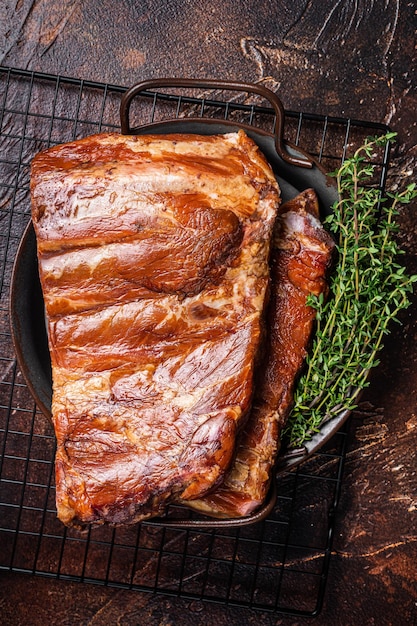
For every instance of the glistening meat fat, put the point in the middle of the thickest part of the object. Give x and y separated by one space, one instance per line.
301 255
153 259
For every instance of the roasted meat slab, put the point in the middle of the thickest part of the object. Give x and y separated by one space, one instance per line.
153 258
300 259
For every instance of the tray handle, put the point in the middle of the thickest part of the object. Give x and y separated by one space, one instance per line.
266 93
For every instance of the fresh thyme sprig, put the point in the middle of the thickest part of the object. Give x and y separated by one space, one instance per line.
368 288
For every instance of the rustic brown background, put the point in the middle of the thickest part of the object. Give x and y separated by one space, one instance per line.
338 57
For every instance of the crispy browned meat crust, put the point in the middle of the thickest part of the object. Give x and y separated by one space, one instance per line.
153 255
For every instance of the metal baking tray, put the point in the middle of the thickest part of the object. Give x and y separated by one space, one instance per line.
295 171
279 563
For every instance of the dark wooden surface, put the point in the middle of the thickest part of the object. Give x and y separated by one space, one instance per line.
341 58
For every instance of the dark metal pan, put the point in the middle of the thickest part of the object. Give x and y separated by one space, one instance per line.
295 171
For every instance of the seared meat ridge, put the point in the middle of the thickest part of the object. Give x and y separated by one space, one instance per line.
153 256
300 259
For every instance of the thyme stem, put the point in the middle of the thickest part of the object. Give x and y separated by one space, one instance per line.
368 289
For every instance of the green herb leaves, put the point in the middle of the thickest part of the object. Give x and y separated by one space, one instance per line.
368 288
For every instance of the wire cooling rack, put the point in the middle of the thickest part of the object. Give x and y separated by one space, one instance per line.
279 564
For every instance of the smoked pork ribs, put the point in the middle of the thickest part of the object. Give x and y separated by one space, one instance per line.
300 259
153 259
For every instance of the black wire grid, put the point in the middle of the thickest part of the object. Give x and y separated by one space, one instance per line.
279 564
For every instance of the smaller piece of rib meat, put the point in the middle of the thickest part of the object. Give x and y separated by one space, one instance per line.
301 256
